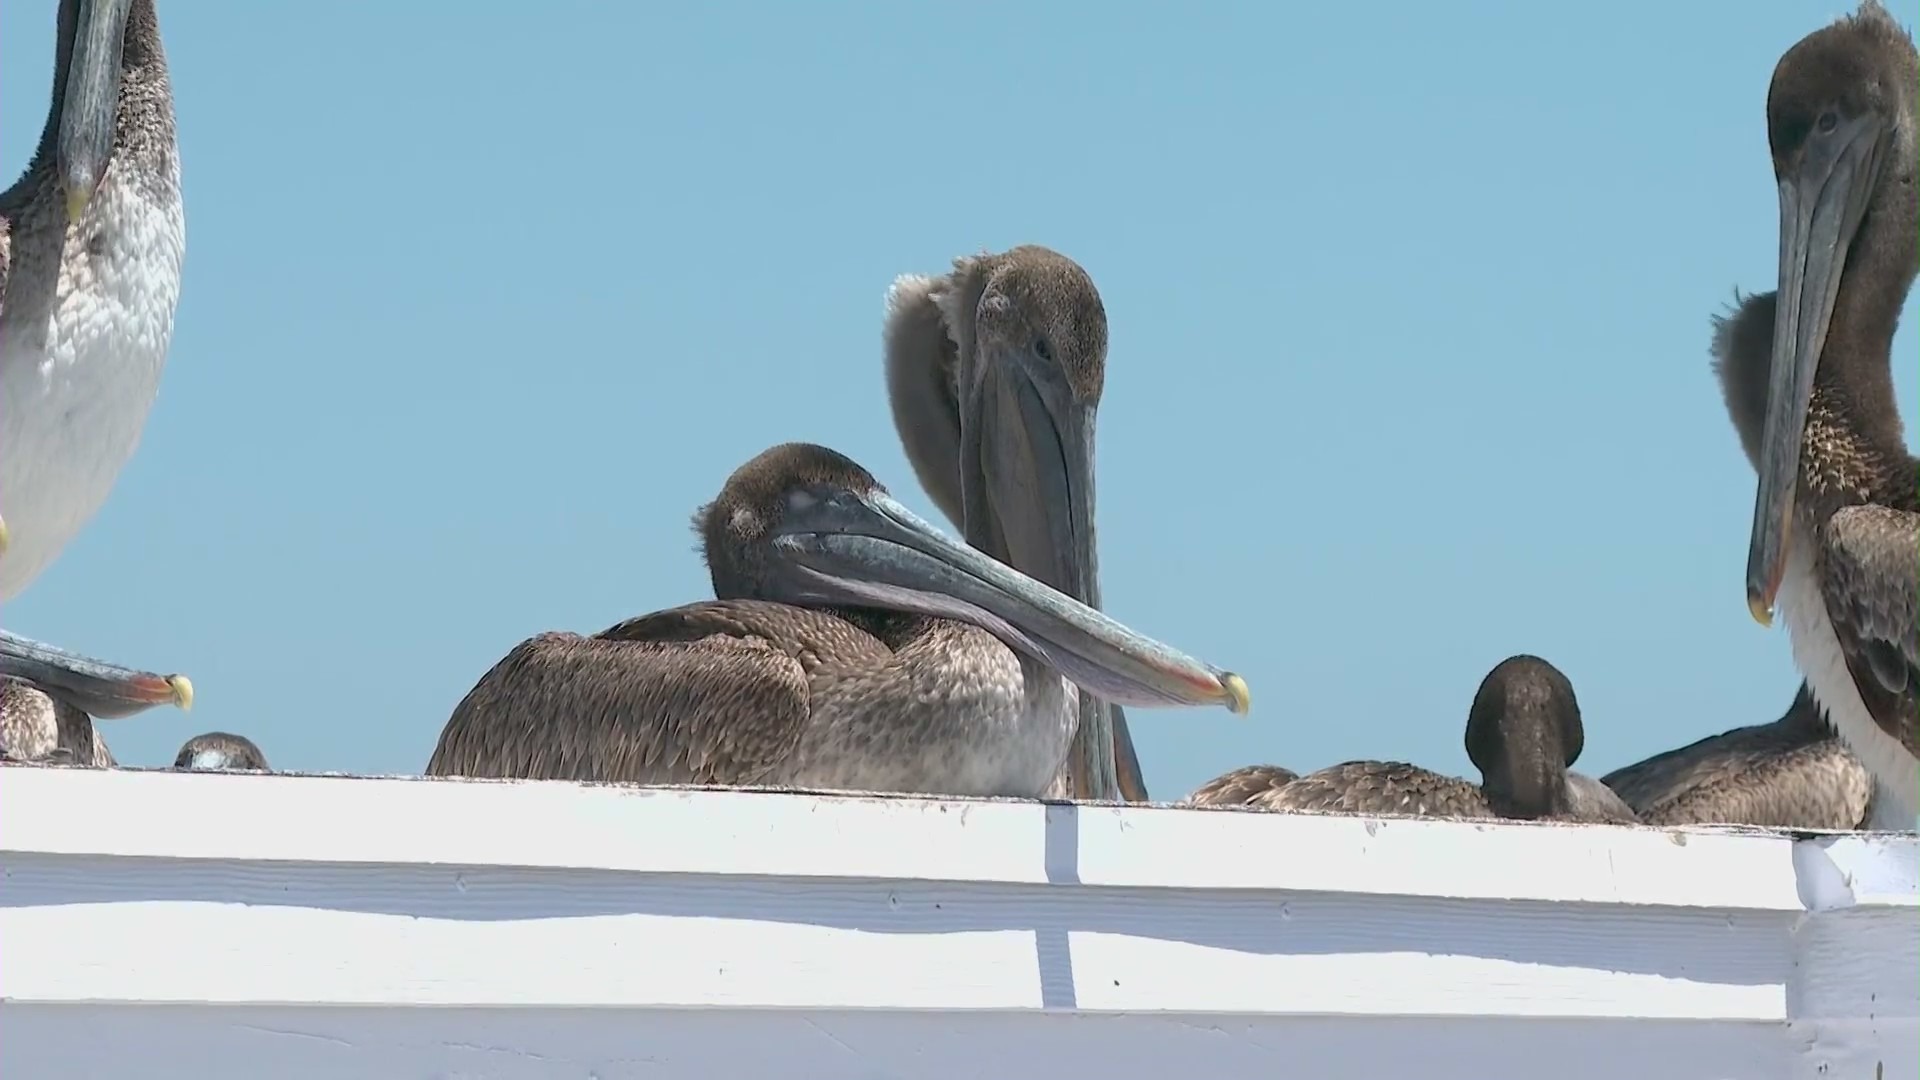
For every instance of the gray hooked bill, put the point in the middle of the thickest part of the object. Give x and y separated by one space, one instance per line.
1822 200
866 549
99 689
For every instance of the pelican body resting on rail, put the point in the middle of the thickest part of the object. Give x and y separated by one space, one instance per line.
37 727
851 647
1792 774
1241 787
1836 518
994 375
1523 732
220 751
92 238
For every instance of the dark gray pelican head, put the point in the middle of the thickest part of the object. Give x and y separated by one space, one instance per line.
87 92
219 751
994 374
1841 125
801 524
1523 733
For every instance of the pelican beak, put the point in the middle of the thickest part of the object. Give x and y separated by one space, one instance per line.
92 98
101 690
1035 483
868 550
1821 203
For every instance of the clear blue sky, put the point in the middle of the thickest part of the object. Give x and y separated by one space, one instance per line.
1409 309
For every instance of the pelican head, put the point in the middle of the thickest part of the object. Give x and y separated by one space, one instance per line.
1523 732
1840 122
220 751
801 524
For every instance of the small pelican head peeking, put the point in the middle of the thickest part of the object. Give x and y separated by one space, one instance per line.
89 99
1840 122
219 751
801 524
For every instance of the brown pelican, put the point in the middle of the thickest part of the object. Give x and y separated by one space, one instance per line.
36 727
1836 519
994 373
218 751
91 242
852 647
1241 786
1523 732
1793 773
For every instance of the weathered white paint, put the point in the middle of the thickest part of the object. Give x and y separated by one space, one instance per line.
205 925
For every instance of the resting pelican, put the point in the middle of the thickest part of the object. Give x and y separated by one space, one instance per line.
91 243
1836 518
1792 774
994 373
1523 732
37 727
1241 786
219 751
852 647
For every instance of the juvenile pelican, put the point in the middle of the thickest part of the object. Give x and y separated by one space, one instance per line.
1523 733
852 647
1793 774
218 751
994 374
36 727
91 242
1836 519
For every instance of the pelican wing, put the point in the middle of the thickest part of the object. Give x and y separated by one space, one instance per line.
921 362
1379 787
1793 773
1871 557
1239 787
709 693
1592 801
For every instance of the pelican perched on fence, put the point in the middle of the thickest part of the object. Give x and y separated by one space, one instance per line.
851 647
1807 376
1793 773
220 751
1523 732
994 373
92 238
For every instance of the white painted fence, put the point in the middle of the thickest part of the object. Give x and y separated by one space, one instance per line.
158 924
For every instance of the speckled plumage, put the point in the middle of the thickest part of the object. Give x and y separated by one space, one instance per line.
1241 786
934 335
220 751
1848 584
86 313
1792 773
1523 731
742 690
36 727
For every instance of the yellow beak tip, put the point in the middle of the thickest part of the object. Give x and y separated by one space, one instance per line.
1239 698
1761 610
182 691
